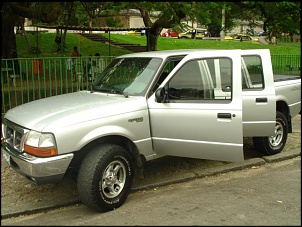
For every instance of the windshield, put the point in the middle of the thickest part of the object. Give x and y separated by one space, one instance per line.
128 76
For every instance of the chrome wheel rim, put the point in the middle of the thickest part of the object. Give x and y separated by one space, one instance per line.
113 179
276 139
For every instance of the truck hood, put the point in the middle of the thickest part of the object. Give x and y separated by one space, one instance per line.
72 108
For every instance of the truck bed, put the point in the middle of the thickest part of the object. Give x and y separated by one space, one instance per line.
288 89
282 77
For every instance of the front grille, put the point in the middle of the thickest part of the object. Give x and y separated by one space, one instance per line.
12 134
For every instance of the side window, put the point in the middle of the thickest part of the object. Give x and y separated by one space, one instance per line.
204 79
167 69
200 32
252 73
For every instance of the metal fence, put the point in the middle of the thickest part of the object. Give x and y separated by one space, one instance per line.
25 80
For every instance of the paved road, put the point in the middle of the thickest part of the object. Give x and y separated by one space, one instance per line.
267 195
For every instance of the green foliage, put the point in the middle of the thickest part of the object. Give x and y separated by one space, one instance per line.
86 47
278 17
83 17
203 12
113 22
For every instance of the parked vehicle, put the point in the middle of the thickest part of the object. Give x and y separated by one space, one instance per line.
134 32
143 106
262 33
228 37
241 37
169 34
197 33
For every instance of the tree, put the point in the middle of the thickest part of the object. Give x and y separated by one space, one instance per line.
11 13
169 15
93 10
277 17
281 17
222 32
210 14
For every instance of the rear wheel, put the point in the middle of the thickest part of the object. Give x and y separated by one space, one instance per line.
105 177
273 144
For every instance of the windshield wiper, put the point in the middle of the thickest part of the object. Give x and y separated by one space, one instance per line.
114 90
108 88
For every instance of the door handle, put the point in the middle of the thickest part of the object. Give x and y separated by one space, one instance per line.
224 115
261 99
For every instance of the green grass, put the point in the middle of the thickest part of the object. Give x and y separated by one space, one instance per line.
48 47
164 43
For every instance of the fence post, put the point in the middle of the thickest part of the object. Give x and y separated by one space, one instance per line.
38 66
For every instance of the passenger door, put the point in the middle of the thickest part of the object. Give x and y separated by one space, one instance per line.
202 114
258 93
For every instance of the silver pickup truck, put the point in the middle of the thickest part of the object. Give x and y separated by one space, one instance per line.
187 103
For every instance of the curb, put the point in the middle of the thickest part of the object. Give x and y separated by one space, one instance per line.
228 167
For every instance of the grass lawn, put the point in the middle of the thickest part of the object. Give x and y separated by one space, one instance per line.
48 47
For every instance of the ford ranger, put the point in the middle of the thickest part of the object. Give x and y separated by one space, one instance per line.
143 106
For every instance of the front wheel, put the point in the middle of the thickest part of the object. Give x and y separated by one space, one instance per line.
105 177
273 144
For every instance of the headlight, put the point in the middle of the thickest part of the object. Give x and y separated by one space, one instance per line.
40 144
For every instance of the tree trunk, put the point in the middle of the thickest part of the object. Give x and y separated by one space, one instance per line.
153 42
9 48
90 24
222 32
153 35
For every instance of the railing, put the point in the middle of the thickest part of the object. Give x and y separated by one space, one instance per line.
25 80
286 64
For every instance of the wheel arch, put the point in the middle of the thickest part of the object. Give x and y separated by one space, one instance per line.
112 139
281 106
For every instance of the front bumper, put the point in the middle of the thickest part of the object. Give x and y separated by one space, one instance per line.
40 170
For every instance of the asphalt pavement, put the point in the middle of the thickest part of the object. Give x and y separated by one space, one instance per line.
20 196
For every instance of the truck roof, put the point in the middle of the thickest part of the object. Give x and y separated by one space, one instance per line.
166 53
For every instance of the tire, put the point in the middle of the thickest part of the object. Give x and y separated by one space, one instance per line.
273 144
105 177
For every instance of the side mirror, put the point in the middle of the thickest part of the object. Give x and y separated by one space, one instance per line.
160 95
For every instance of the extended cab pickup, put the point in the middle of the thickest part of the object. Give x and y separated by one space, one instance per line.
187 103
